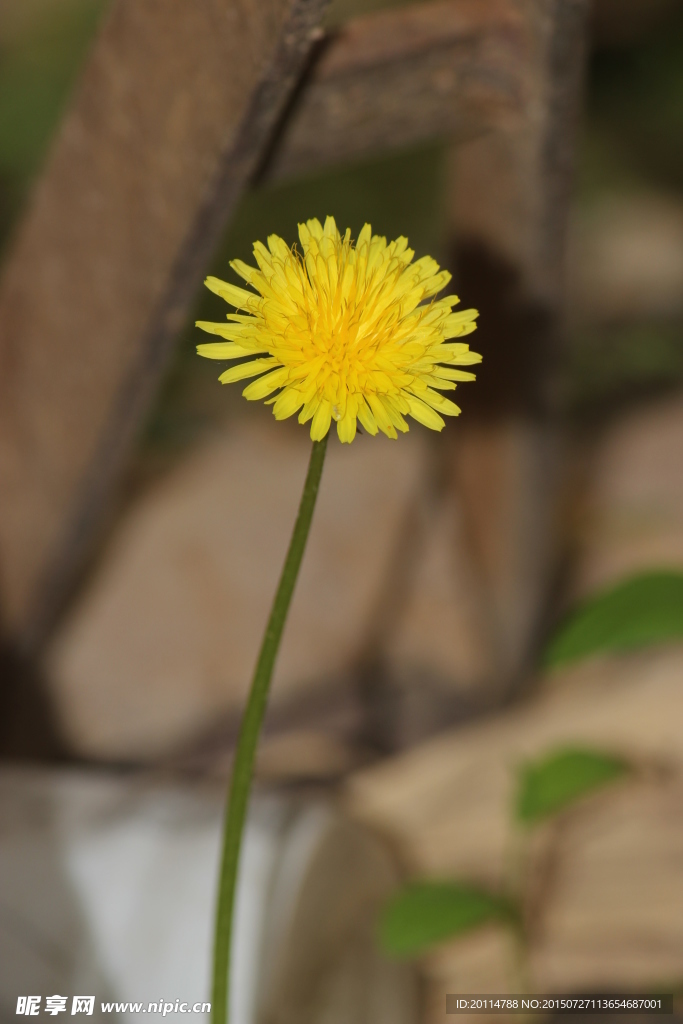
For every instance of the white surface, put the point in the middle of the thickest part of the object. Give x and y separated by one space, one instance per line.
107 889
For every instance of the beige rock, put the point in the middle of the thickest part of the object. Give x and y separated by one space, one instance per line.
166 636
634 519
614 912
616 909
302 754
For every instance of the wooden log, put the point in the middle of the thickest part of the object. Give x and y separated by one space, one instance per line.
451 68
510 200
174 115
511 189
173 112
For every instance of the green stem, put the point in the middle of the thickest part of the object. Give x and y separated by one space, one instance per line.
242 770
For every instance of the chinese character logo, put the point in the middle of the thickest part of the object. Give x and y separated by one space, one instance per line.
28 1005
83 1004
55 1005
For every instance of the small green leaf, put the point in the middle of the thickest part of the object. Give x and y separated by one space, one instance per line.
645 609
563 776
424 913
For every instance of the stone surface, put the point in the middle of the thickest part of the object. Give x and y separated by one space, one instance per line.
303 755
634 515
616 908
613 914
166 635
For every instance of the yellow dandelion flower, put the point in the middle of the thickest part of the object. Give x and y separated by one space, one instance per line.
343 333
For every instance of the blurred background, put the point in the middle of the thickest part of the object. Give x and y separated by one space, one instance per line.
411 686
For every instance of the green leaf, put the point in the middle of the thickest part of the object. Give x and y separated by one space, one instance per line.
424 913
645 609
562 777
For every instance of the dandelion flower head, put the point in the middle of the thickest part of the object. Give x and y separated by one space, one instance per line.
344 332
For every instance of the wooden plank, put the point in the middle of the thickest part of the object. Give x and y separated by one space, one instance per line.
174 116
511 189
510 198
173 112
451 68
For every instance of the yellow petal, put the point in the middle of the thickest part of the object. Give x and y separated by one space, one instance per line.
437 382
381 414
223 350
457 358
346 427
321 421
278 247
424 415
330 229
265 386
365 236
249 274
263 257
304 236
287 403
309 409
244 370
461 317
440 402
392 404
239 297
460 330
366 417
315 228
436 283
452 374
231 332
